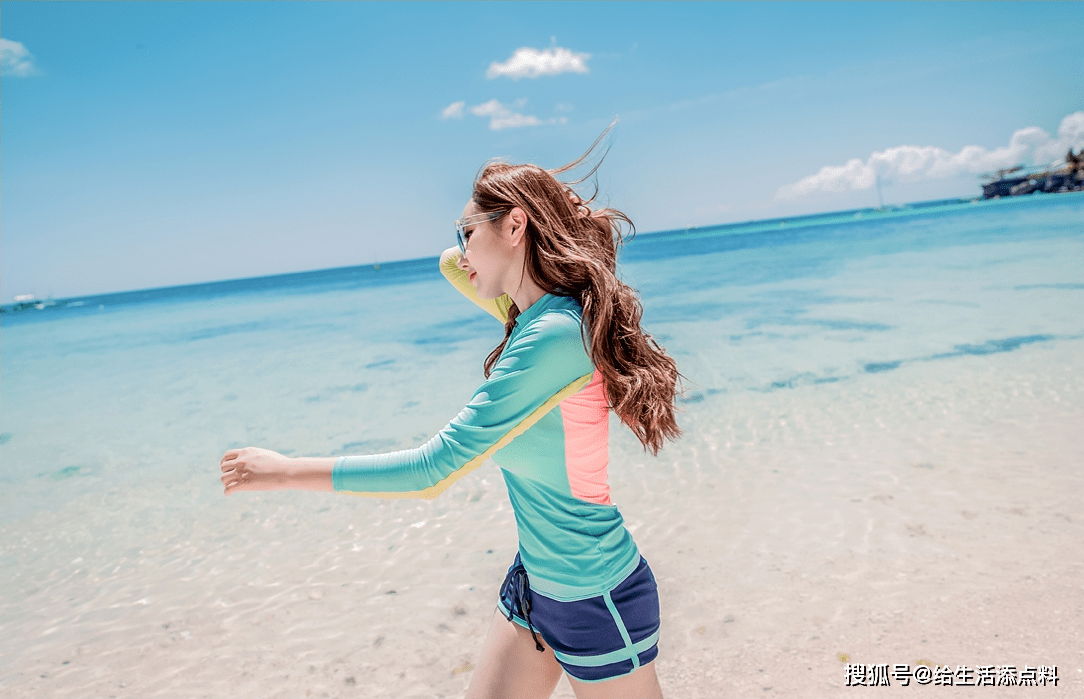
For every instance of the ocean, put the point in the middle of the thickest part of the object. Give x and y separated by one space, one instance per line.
827 359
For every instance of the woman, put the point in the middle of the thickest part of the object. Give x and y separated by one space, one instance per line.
579 596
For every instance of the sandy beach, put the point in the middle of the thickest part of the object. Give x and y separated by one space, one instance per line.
857 230
800 530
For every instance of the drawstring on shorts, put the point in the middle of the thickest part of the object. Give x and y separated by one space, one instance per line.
521 594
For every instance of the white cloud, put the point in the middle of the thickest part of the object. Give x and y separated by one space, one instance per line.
15 60
531 63
913 163
502 117
453 111
1070 133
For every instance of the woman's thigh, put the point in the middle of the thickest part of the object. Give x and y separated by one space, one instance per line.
641 683
511 667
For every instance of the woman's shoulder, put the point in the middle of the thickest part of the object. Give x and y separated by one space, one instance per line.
559 314
559 324
554 338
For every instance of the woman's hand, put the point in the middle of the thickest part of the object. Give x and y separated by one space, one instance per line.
262 469
252 468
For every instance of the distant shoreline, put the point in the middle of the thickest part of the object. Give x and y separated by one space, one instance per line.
410 269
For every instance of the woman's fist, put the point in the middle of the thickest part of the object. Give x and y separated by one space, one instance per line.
252 468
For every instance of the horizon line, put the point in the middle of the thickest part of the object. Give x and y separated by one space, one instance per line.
822 217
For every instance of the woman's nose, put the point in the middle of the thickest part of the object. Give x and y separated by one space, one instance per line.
462 262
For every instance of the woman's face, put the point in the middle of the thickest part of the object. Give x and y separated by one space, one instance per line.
490 253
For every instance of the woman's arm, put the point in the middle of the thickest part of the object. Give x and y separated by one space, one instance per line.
252 468
542 365
449 267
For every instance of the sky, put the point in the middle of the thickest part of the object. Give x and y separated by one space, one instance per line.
151 144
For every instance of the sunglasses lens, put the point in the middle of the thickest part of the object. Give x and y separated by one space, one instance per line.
470 221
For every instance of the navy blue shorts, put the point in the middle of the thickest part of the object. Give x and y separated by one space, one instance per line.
594 639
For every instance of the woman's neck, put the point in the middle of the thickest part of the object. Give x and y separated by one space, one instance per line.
528 293
527 290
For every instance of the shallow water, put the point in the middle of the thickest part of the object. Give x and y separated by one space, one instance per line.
868 400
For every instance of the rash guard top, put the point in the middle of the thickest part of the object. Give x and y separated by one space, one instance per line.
543 417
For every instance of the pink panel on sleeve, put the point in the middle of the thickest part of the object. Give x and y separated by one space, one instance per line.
587 440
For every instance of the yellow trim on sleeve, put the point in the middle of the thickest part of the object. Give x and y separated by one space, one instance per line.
438 488
498 307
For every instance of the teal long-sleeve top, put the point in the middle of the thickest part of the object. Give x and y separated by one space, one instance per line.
542 416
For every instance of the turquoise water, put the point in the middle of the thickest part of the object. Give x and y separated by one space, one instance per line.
110 388
791 334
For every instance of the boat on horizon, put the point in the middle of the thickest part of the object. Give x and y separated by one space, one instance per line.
24 302
1067 176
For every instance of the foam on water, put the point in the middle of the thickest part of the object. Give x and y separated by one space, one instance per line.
841 378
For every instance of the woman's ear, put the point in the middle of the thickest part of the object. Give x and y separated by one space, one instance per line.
518 217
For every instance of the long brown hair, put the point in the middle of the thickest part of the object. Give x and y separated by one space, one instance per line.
572 251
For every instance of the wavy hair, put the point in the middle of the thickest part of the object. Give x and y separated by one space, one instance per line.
572 251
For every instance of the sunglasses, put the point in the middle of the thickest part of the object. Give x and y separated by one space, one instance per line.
462 223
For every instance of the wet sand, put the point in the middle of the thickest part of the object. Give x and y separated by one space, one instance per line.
930 514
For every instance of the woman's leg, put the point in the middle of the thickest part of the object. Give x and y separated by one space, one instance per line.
511 667
638 684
